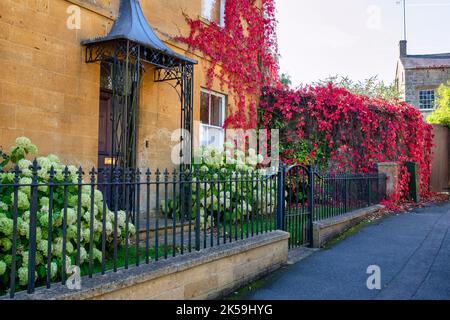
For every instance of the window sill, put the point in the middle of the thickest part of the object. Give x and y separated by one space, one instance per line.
208 22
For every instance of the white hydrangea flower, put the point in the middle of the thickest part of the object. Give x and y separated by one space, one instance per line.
72 232
43 218
23 276
252 161
23 227
109 228
54 159
83 255
131 229
42 246
42 188
6 244
71 216
205 186
226 202
121 218
53 269
3 206
2 267
239 154
86 200
7 177
26 216
25 258
24 166
262 172
25 188
57 247
97 255
45 165
6 226
25 143
44 202
22 200
109 216
98 196
85 234
59 175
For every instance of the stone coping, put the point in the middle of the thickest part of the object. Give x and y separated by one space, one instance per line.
327 229
348 216
112 281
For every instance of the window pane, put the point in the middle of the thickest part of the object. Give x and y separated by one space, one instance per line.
426 99
204 108
213 137
207 8
216 111
211 10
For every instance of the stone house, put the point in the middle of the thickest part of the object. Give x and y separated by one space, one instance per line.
68 66
418 76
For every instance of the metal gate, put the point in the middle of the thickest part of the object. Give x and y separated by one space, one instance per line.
305 196
296 211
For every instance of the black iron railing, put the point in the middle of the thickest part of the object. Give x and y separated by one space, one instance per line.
54 220
312 196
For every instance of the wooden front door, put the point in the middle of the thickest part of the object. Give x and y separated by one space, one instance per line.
105 150
105 155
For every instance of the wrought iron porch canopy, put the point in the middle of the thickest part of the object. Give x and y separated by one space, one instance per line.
131 25
130 43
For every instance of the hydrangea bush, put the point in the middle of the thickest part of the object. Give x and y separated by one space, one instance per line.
230 186
17 159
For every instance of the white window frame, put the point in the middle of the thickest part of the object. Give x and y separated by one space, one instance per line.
434 100
223 115
206 14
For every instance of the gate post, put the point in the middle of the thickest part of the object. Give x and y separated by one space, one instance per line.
280 196
311 202
346 194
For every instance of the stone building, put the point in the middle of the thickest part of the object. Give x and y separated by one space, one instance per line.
63 63
418 76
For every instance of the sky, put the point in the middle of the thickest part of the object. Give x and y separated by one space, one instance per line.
356 38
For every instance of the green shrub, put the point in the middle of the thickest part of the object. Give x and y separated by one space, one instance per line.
229 186
19 151
442 114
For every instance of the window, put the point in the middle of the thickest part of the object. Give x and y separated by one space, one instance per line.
212 117
214 11
426 99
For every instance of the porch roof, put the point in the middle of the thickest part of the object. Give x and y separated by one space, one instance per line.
132 25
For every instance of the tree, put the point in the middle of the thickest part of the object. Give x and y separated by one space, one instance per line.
372 87
285 79
442 114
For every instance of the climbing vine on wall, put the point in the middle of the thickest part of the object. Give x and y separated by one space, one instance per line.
245 48
341 131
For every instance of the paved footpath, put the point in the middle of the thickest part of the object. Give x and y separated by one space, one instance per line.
412 250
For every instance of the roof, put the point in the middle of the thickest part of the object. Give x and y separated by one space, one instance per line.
426 61
132 25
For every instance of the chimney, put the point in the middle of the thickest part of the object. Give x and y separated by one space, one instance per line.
403 48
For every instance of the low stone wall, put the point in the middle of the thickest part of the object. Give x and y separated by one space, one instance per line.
208 274
325 230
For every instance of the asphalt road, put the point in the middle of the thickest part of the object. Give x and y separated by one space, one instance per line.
412 251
